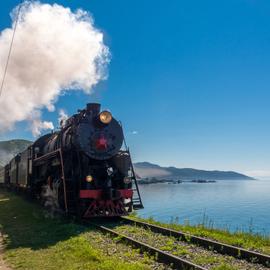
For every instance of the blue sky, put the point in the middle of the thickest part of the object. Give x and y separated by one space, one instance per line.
190 77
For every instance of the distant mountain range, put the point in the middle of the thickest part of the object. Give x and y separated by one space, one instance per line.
8 149
149 170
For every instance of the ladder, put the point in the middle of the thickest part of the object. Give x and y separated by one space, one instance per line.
137 200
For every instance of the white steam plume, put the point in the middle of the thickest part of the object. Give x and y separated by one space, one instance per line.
37 125
62 118
55 50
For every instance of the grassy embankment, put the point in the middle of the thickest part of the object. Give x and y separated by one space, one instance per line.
34 241
242 239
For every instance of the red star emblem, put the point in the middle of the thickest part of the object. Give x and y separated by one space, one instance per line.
101 143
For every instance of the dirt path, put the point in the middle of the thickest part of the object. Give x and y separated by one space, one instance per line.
3 265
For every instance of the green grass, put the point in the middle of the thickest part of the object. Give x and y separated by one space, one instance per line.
36 242
203 260
246 240
191 252
224 266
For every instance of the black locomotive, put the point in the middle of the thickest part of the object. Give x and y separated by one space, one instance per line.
80 169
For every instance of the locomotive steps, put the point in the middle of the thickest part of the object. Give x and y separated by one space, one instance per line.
34 241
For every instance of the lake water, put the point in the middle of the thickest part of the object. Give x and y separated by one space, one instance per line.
226 204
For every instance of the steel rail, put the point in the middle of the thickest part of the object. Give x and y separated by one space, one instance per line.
237 252
160 256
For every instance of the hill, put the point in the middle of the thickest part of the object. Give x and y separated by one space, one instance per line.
8 149
149 170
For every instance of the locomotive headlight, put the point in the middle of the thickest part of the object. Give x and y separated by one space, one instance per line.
89 178
105 117
127 180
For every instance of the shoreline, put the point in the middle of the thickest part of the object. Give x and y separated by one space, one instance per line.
198 181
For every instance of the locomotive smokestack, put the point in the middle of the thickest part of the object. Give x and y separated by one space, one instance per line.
94 108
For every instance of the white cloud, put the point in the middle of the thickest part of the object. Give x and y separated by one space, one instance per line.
134 132
55 50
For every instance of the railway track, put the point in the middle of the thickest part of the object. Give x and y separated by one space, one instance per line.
236 252
205 254
161 256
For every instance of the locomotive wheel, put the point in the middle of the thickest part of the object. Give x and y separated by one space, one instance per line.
52 196
49 199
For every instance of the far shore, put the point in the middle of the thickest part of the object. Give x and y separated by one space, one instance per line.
148 181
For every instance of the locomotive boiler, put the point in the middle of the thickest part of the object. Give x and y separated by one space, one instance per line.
80 169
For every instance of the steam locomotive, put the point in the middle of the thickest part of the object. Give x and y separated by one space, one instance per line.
80 169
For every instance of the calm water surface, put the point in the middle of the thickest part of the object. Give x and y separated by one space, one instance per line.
226 204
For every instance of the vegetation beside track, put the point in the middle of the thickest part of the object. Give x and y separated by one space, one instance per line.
246 240
34 241
208 259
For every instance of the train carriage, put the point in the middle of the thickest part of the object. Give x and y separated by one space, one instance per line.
2 176
23 168
14 171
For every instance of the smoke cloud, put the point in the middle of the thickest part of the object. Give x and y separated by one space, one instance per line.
62 118
55 50
36 125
